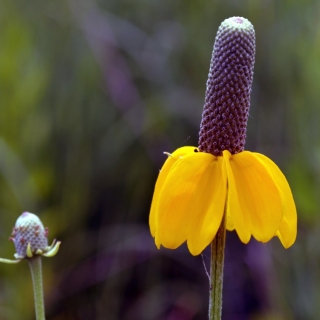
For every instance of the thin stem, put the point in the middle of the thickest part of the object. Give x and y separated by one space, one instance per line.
216 272
36 272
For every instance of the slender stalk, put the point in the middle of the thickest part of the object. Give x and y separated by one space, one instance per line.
36 272
216 272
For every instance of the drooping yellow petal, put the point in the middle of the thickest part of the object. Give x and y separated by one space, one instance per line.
287 231
207 206
235 215
185 199
163 174
260 200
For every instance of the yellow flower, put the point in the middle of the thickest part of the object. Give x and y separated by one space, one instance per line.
195 188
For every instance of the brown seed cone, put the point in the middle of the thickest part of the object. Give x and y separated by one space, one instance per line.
227 99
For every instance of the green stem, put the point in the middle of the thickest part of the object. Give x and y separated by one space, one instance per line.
36 272
216 272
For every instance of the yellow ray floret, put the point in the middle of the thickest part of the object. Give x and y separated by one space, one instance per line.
194 189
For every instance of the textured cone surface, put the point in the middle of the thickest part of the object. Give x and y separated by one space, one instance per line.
227 100
29 229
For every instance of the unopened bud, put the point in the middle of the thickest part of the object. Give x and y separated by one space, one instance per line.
29 236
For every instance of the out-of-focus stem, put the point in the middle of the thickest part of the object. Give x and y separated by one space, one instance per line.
36 272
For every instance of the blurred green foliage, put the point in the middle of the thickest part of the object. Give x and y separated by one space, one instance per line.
91 94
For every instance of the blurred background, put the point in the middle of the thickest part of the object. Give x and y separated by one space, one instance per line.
91 94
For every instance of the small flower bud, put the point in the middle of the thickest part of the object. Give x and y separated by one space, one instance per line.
227 99
29 236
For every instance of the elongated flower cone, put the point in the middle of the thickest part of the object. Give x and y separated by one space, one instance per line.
227 99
